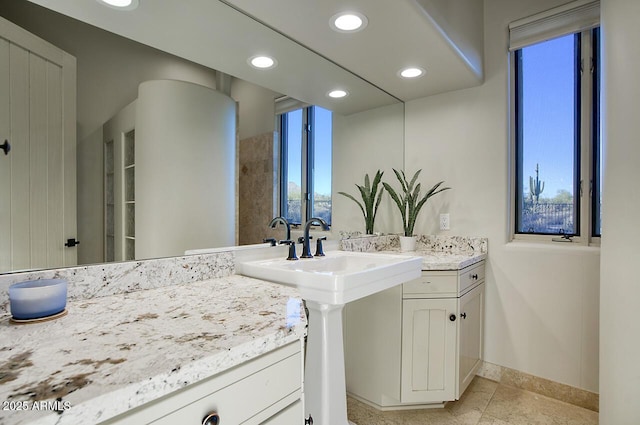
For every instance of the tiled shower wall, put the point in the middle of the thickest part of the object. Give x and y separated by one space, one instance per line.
256 183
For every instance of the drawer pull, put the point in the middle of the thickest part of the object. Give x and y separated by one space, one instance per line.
211 419
474 276
463 315
452 317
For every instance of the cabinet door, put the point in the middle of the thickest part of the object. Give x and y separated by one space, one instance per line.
429 350
471 319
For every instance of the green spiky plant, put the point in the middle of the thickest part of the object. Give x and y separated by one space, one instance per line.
409 201
371 198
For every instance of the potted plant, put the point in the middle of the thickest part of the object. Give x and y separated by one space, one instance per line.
409 202
371 198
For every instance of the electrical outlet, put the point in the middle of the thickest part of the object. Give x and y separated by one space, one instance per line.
444 221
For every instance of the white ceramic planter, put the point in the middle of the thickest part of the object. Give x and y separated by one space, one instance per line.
407 243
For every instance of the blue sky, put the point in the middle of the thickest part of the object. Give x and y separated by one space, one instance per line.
548 82
322 152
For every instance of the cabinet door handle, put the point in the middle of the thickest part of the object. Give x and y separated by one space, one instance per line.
452 317
308 421
211 419
463 315
6 147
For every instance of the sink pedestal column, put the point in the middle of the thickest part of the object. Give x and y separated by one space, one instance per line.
325 386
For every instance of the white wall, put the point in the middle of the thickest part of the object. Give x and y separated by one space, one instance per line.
362 144
256 108
620 289
185 168
90 199
542 300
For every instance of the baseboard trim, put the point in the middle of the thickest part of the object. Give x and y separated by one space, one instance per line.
398 406
542 386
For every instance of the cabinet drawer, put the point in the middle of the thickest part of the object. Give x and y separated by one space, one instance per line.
449 283
247 394
241 401
470 276
292 415
433 283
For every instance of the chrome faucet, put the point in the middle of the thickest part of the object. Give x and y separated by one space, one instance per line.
306 252
284 221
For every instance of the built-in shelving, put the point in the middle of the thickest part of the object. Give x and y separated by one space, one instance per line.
109 202
129 195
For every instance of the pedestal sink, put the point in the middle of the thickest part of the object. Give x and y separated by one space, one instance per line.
327 284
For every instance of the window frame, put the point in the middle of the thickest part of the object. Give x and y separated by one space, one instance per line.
307 163
585 152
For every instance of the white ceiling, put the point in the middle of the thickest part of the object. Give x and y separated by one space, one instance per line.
400 33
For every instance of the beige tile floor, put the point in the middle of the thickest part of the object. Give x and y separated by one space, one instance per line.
485 402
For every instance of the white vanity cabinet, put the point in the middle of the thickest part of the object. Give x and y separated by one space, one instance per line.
441 334
265 390
440 318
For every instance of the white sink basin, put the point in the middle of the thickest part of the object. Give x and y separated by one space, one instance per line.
339 277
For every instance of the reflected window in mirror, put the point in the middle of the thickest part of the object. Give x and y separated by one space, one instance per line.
305 164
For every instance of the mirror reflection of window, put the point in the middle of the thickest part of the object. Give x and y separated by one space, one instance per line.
305 169
322 141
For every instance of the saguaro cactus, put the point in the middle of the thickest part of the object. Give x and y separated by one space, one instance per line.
536 187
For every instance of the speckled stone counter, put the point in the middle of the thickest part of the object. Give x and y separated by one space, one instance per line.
116 352
438 252
437 260
98 280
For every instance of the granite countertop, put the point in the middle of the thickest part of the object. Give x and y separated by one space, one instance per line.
434 260
443 260
438 252
113 353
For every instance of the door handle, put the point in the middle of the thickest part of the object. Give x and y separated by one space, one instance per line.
72 242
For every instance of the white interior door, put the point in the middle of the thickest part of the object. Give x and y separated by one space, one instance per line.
38 176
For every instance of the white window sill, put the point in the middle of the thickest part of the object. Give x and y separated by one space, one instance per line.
547 245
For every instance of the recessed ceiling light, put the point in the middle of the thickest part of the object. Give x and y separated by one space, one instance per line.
120 4
412 72
337 94
262 62
348 22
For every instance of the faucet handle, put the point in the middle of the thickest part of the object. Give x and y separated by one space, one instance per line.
272 241
319 250
292 249
301 238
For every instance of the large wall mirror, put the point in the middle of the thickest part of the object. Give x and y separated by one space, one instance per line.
207 44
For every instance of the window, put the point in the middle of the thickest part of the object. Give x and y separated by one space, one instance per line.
305 168
556 98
